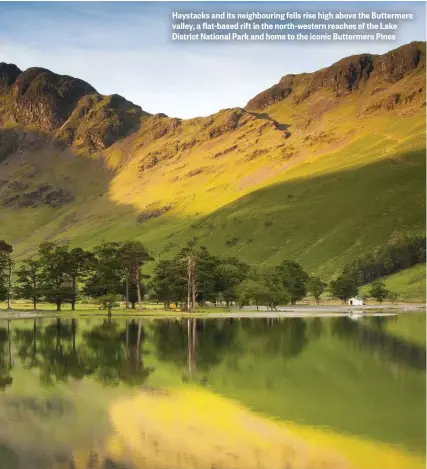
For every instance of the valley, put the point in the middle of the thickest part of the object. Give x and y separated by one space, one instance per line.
321 168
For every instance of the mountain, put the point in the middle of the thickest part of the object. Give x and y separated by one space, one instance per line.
320 168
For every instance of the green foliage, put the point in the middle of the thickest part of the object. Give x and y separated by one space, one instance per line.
169 282
133 255
56 283
5 267
228 275
394 257
264 286
408 284
109 301
79 265
378 291
29 281
294 280
108 272
316 287
392 296
344 287
203 277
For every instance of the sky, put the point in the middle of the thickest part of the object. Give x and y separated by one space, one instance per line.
126 48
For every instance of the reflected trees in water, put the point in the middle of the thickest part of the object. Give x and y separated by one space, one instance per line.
373 336
108 352
5 357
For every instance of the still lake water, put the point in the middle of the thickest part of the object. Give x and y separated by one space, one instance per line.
216 393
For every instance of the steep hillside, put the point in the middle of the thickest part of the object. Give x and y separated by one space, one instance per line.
319 168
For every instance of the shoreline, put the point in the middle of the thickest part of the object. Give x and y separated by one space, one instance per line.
285 312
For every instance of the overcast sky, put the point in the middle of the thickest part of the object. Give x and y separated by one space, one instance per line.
125 48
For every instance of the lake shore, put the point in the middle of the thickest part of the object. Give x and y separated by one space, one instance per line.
246 312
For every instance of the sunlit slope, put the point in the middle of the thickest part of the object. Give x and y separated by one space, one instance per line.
320 180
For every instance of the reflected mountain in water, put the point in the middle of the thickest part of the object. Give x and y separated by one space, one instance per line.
357 378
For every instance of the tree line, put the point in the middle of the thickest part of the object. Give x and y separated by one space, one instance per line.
112 272
394 257
403 253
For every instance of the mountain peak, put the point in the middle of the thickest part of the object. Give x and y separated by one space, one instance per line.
345 76
8 74
69 107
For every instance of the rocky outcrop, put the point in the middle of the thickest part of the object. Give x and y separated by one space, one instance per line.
69 108
99 121
22 194
45 99
8 75
345 76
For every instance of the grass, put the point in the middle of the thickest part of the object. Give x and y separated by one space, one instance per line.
409 284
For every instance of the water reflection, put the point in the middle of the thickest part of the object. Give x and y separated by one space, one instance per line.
300 369
5 357
107 351
370 335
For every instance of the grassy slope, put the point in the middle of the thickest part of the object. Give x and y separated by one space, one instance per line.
342 184
408 284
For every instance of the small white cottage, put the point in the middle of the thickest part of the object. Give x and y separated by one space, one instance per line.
355 302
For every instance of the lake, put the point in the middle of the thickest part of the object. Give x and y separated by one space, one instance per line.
215 393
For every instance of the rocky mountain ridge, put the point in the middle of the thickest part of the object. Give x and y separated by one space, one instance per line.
66 107
345 76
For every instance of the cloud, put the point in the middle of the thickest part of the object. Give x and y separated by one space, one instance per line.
126 49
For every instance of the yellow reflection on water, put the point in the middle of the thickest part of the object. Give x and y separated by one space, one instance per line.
193 428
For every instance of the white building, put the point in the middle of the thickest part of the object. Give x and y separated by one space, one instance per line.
355 302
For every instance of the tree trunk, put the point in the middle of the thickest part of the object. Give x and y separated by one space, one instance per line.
73 300
35 294
189 284
193 297
9 286
193 283
133 305
127 290
58 306
138 288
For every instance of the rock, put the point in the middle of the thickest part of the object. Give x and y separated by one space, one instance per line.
345 76
45 99
21 194
69 108
8 75
150 213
